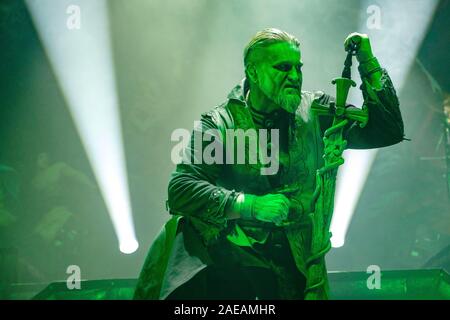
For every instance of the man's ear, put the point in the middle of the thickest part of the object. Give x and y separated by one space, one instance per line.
252 73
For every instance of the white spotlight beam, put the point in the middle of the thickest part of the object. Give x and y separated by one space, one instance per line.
403 26
75 35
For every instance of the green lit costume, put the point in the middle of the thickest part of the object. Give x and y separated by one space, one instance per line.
199 241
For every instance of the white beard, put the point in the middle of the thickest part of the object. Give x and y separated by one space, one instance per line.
304 109
289 103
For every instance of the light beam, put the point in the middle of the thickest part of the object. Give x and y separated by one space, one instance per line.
75 35
403 26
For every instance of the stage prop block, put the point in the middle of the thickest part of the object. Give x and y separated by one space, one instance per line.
398 284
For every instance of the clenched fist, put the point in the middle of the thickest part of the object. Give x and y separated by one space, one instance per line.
361 44
271 208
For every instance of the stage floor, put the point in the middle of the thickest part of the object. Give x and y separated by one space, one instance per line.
394 285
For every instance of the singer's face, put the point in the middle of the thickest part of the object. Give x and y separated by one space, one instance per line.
279 74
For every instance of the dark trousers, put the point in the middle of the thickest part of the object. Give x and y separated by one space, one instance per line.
228 279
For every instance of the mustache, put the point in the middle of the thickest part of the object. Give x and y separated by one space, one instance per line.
293 85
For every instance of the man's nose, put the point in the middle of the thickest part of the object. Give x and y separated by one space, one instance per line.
294 75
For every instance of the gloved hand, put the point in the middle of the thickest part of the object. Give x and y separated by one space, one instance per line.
362 44
369 67
268 208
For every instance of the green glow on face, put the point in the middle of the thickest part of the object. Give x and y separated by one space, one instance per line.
279 74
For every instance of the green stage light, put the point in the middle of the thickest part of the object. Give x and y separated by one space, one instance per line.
395 38
75 35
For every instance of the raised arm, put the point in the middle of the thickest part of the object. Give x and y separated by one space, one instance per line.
385 125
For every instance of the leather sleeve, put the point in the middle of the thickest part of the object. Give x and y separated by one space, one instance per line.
385 125
192 189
